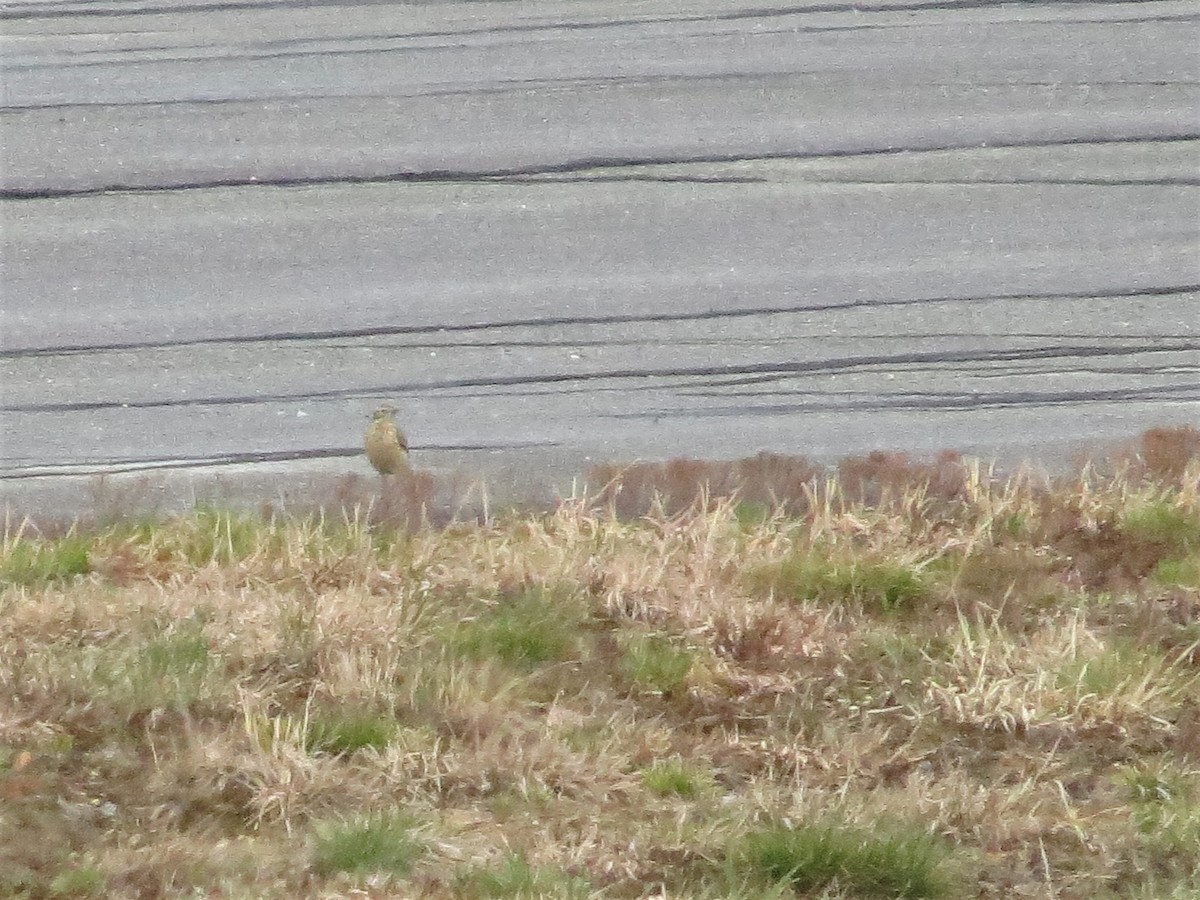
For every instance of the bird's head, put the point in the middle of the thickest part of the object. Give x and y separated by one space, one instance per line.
384 412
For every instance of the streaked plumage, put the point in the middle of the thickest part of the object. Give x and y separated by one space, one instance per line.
387 448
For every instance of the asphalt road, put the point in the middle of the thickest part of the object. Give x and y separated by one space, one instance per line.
570 231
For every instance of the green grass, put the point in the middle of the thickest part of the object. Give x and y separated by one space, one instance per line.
1164 523
525 631
877 585
172 668
1168 820
81 882
751 515
384 843
516 878
676 778
225 537
1155 788
865 863
654 663
30 563
1115 668
1179 572
348 731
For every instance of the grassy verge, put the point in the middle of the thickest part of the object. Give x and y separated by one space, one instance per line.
722 680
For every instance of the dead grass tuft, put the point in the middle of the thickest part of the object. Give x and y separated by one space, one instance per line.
709 680
882 476
768 481
1166 453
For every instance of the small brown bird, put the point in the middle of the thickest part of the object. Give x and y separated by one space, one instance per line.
387 448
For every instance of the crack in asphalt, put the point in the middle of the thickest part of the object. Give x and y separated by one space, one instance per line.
931 402
122 465
1181 181
574 321
515 85
743 340
65 10
298 48
765 369
857 7
521 174
938 400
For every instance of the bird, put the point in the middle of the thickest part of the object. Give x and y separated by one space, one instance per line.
387 448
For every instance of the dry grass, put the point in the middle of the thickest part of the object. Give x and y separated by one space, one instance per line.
708 680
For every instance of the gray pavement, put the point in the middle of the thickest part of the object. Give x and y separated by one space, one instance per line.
564 232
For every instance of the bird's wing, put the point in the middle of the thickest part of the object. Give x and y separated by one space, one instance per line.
401 440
